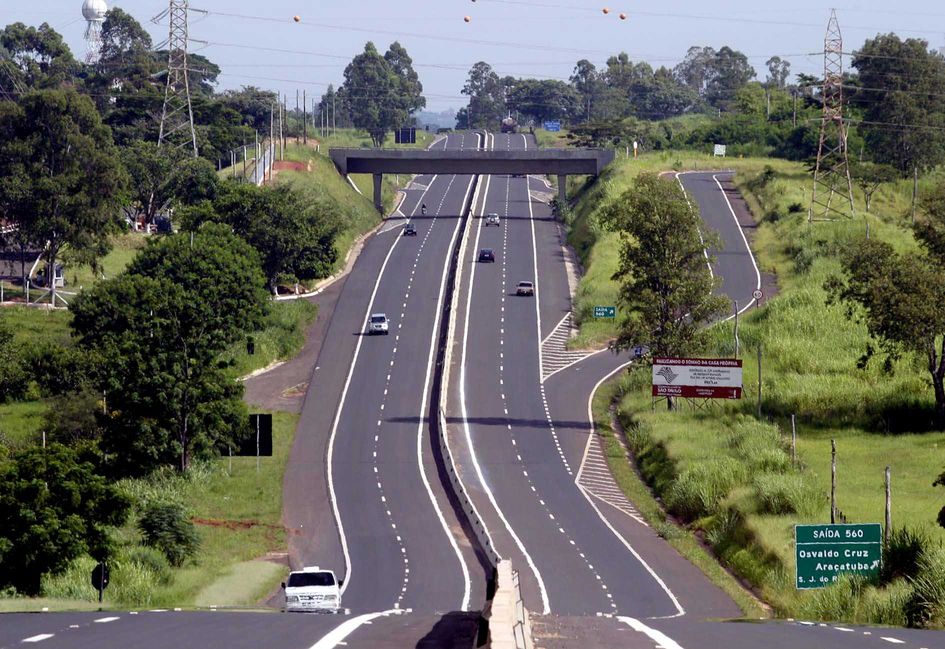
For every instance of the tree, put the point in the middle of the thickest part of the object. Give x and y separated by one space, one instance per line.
869 176
253 104
54 508
409 90
40 57
778 72
900 96
541 100
371 92
486 98
728 72
900 298
586 82
666 289
126 80
160 329
166 527
151 172
660 96
694 70
13 376
294 235
60 178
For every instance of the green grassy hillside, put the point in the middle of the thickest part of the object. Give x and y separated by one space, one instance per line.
728 474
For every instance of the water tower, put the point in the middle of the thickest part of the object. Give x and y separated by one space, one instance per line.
94 13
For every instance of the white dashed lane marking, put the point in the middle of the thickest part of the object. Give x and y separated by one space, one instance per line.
505 409
380 423
38 638
104 620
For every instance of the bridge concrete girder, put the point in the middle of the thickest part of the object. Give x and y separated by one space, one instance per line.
559 162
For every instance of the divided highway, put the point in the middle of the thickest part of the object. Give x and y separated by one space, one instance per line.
363 495
525 431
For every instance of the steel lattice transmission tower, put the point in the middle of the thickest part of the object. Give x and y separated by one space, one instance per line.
832 172
177 117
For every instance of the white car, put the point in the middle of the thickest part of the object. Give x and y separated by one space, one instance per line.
492 219
313 589
379 324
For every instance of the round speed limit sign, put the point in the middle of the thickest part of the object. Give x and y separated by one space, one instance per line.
758 294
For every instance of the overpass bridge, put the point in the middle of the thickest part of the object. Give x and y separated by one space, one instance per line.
549 162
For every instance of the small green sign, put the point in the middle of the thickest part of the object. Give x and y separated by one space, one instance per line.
824 552
605 312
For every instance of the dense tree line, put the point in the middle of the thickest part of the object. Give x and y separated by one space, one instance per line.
146 387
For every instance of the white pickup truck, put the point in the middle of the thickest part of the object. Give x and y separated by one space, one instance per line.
313 589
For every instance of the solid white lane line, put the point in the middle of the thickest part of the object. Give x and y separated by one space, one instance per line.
704 251
590 418
892 640
341 405
546 606
467 584
751 255
335 637
662 640
105 620
38 638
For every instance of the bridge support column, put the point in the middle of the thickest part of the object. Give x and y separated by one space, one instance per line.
563 189
378 203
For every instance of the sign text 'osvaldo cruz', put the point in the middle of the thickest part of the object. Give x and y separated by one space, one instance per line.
824 552
697 378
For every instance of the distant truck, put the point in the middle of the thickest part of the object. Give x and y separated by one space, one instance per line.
314 590
509 125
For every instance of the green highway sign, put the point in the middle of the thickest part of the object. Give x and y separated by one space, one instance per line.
605 312
824 552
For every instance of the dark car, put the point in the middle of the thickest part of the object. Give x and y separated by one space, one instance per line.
410 230
486 255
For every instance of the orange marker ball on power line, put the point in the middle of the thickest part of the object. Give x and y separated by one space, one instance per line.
466 19
623 16
605 10
297 19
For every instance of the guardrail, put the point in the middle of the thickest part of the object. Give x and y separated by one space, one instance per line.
441 388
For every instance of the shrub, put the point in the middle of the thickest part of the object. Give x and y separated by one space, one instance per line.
153 560
903 552
699 489
926 604
785 493
166 527
838 601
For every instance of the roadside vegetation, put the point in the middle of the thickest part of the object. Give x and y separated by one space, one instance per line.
119 414
728 476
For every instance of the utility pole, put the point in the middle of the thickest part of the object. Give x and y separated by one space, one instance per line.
304 118
334 114
794 120
832 171
833 481
272 137
888 507
915 190
177 115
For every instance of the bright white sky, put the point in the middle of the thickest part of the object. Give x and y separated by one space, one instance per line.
541 38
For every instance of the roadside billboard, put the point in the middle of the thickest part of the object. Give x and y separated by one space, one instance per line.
697 378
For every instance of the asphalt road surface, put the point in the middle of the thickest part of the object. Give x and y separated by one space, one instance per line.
380 517
362 493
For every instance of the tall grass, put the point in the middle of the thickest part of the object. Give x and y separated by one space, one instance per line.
729 474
